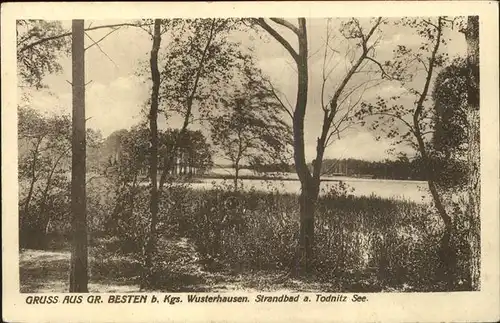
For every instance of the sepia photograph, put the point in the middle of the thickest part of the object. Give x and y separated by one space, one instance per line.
325 155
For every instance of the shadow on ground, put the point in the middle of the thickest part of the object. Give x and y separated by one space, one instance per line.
48 271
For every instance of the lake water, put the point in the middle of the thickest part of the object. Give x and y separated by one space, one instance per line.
416 191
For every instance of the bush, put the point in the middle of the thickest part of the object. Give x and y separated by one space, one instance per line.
46 219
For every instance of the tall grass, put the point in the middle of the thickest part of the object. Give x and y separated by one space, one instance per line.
368 240
363 243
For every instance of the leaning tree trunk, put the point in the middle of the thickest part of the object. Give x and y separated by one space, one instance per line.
446 253
45 219
153 161
33 177
474 186
79 257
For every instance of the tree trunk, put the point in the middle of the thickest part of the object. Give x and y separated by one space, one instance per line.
45 218
236 176
307 203
153 163
446 252
439 205
474 186
306 198
79 254
33 178
49 183
447 255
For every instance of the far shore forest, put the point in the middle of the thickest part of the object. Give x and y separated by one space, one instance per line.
119 212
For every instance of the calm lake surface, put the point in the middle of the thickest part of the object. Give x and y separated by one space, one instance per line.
416 191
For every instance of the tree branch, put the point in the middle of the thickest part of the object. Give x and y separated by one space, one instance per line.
102 38
380 66
261 22
423 95
287 24
410 127
428 22
100 48
40 41
353 68
190 98
285 108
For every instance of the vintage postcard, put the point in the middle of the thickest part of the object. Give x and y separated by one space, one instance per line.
253 161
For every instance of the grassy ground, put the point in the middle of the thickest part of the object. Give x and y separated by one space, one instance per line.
221 240
47 271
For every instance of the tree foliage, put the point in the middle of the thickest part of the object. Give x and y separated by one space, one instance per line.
199 58
250 128
450 101
190 151
125 152
428 113
125 164
449 141
408 118
44 166
37 61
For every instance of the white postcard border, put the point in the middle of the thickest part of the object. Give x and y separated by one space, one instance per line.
456 306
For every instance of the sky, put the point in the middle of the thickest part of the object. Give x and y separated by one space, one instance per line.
116 94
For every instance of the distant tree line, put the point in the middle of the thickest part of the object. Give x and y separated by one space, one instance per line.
401 168
448 173
281 167
191 153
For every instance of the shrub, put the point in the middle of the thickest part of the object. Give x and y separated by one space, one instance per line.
46 219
